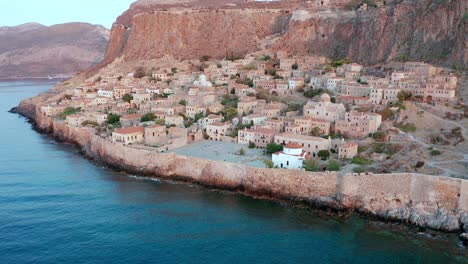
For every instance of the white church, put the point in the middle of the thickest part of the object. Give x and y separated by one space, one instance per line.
292 157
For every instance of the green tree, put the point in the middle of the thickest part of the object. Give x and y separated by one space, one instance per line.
229 113
311 165
273 148
127 98
266 58
252 145
315 132
148 117
333 165
404 96
113 118
183 102
295 66
323 154
233 91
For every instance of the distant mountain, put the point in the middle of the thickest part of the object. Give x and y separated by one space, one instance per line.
35 50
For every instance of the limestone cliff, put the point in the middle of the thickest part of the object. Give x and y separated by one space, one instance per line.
434 31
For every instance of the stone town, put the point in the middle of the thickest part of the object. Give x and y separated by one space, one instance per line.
296 108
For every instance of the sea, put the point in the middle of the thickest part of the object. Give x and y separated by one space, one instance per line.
56 206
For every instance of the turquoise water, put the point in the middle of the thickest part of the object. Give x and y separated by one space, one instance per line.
58 207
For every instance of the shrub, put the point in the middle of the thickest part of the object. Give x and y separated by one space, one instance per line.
295 66
338 63
205 58
378 147
406 127
361 161
148 117
266 58
252 145
268 163
273 148
311 165
70 111
183 102
313 92
386 114
435 152
242 152
360 169
139 73
379 136
333 165
113 118
324 154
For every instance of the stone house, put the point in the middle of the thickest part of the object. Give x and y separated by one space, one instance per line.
75 120
260 136
246 105
131 120
129 135
155 134
325 109
348 150
217 131
210 119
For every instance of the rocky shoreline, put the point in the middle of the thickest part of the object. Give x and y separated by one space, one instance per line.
438 203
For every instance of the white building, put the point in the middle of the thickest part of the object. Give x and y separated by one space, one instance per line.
105 93
292 157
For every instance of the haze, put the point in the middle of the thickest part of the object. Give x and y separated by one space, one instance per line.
50 12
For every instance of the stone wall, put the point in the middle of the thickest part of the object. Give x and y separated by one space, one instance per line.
436 202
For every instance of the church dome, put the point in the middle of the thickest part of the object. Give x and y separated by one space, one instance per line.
325 98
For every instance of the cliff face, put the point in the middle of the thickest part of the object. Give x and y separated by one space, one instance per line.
34 50
403 29
416 30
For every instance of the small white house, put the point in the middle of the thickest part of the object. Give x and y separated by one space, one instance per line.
105 93
291 157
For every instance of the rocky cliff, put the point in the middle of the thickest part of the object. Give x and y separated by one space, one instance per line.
434 31
33 50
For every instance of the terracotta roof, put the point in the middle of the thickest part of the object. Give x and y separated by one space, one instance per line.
133 116
130 130
293 145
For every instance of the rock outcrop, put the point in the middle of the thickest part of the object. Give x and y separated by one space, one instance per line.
433 31
36 51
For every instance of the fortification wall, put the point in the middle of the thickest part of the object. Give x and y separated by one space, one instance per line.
430 201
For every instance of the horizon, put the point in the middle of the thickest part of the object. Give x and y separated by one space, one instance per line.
54 12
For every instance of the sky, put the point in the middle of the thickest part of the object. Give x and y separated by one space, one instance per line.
51 12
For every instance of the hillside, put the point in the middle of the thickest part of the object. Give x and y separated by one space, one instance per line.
34 50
